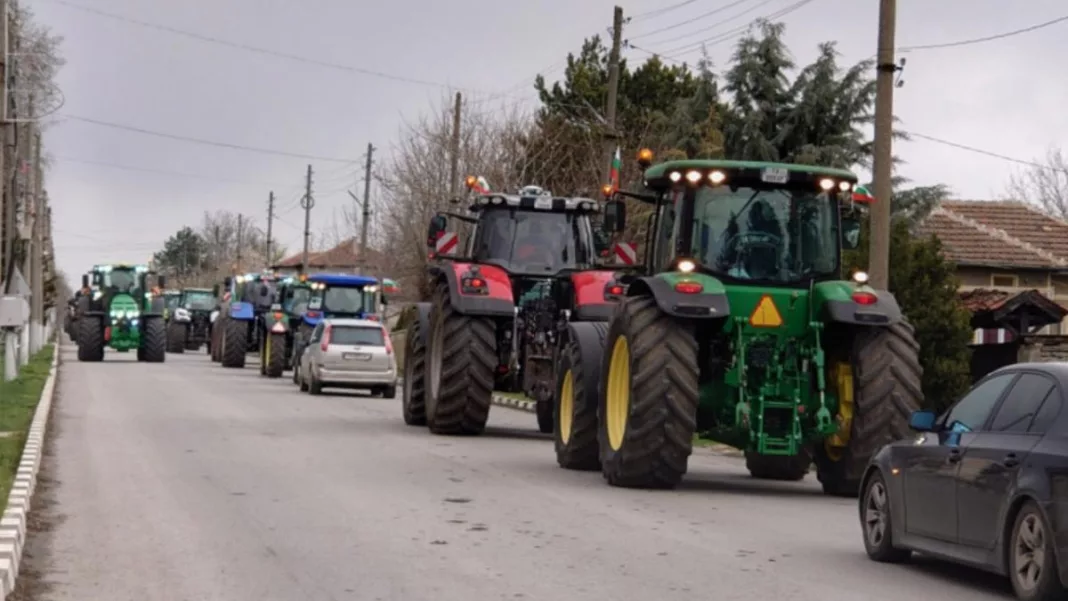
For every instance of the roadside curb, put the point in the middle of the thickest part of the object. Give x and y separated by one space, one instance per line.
13 521
513 403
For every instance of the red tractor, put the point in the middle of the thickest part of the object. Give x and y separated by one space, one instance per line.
502 311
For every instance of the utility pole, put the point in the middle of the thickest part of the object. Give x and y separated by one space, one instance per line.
240 230
270 223
7 205
307 203
454 166
611 136
882 162
36 251
367 205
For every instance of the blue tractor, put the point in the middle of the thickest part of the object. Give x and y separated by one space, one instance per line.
336 295
254 297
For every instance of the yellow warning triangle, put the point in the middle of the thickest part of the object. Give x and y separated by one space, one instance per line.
766 315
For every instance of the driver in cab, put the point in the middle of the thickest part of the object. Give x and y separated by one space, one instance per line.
754 254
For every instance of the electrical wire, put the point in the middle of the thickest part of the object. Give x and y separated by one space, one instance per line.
255 49
697 32
690 20
990 38
656 12
733 33
988 153
148 132
169 173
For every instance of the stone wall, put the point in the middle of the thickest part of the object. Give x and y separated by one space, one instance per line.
1039 349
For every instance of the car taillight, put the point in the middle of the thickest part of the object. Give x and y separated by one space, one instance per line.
389 343
862 297
689 287
325 344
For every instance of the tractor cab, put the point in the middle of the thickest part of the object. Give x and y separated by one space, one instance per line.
342 295
171 300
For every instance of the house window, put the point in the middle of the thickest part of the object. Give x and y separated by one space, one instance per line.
1003 281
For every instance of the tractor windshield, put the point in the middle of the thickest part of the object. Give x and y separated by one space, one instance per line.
170 301
122 280
198 300
533 242
346 300
296 299
774 235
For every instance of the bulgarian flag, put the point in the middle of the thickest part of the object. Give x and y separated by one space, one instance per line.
861 194
389 286
478 185
613 174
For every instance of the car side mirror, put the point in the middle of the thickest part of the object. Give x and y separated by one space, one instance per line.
923 421
850 233
615 216
437 226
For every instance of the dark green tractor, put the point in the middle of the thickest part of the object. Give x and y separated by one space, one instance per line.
189 325
745 332
121 311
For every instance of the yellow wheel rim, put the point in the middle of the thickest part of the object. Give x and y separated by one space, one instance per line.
567 406
842 376
267 349
617 393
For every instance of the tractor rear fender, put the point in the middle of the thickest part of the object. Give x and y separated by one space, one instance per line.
710 303
242 311
496 299
589 288
838 305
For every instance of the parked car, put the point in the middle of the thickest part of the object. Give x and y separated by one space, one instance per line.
348 353
985 484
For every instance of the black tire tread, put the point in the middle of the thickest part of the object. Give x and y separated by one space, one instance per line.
413 398
90 339
234 346
469 358
154 340
276 361
664 394
581 451
886 390
175 338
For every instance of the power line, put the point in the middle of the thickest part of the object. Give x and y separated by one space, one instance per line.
171 173
656 12
255 49
989 38
733 33
995 155
721 22
690 20
205 142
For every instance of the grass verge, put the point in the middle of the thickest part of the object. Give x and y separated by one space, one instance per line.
19 401
513 395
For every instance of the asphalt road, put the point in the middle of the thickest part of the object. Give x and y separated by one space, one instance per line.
187 481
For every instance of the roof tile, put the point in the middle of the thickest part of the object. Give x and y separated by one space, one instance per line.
998 234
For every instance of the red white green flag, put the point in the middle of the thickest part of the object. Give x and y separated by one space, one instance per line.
861 194
613 174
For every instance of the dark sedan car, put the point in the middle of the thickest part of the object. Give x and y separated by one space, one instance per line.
985 484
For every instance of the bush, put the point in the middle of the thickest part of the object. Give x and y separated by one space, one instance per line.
927 290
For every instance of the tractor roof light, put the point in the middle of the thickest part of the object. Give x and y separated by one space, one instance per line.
645 157
826 184
845 186
717 177
675 176
686 266
693 176
860 277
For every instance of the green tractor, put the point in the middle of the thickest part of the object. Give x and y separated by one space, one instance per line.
742 330
119 310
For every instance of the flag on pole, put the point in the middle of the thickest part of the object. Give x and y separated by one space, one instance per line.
613 174
861 194
389 286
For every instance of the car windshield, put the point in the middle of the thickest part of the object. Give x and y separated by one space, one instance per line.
344 300
774 235
199 300
357 336
533 242
123 280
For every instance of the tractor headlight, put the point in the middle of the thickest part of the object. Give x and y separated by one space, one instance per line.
181 314
860 277
214 314
97 295
686 266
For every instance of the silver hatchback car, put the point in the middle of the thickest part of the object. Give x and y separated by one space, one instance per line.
348 353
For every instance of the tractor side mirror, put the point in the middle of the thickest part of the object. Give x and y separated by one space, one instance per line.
215 291
437 227
85 280
615 216
850 233
161 281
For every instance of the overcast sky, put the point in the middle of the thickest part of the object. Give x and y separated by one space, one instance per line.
1004 96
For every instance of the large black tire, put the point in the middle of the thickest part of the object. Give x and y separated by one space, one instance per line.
654 447
544 410
275 358
216 346
459 370
153 341
886 390
577 448
90 338
413 398
176 335
778 467
234 347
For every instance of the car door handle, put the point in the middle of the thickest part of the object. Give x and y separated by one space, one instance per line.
1010 460
954 456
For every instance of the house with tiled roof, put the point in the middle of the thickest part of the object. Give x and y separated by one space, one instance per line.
343 258
1012 262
